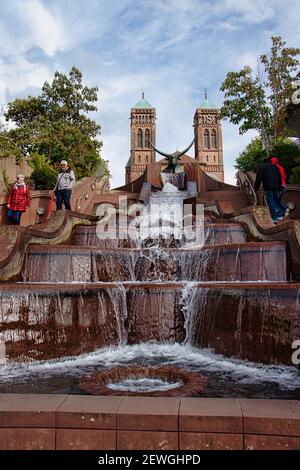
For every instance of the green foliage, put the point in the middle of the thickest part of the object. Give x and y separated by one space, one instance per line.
287 152
295 178
43 175
251 157
258 100
56 123
5 179
279 67
8 148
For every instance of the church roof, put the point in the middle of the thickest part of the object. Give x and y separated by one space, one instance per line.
143 104
206 104
183 159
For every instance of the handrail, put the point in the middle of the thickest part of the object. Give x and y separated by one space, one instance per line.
247 185
90 184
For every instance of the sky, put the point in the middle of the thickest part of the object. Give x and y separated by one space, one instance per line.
171 49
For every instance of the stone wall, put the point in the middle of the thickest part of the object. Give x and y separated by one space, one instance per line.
77 422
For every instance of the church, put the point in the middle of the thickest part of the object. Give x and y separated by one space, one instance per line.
207 134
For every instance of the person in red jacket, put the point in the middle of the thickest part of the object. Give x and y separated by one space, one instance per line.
282 205
18 200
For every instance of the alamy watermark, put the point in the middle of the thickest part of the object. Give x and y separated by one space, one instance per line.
296 354
164 220
296 93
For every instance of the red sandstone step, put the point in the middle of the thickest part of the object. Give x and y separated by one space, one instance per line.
42 321
237 262
80 422
214 233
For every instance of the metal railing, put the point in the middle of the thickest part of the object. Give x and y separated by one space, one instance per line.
247 186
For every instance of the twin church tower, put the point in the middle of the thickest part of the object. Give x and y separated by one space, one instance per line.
208 139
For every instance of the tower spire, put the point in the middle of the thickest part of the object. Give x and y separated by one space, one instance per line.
205 95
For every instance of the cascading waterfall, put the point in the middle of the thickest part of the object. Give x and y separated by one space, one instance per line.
118 298
193 304
164 290
162 219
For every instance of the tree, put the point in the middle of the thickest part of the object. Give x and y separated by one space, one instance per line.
56 123
251 157
287 152
295 178
279 66
258 100
43 175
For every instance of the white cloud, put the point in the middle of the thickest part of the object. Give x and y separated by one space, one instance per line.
172 48
42 28
233 144
30 24
21 74
248 11
247 58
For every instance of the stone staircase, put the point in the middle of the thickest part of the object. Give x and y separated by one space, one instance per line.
88 293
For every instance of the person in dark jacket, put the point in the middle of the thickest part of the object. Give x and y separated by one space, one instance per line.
270 177
281 203
18 200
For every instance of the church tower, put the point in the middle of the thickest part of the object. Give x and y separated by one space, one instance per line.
208 139
143 129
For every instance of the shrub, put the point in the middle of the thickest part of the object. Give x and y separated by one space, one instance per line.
43 175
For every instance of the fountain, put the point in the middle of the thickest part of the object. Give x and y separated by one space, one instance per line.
156 315
94 301
160 381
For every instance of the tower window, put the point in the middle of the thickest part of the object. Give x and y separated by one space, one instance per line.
147 138
214 138
206 139
147 159
214 158
140 119
139 158
207 158
140 138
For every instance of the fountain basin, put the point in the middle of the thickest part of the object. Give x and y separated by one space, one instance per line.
144 381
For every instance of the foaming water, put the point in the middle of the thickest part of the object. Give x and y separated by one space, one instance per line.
226 377
144 384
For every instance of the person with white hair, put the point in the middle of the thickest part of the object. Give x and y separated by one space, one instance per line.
63 187
18 200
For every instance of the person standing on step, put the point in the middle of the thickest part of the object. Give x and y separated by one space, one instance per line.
269 175
64 184
280 196
18 200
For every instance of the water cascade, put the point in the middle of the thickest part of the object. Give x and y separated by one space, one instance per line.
199 307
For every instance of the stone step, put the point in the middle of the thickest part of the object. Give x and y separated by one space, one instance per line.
213 234
256 261
252 321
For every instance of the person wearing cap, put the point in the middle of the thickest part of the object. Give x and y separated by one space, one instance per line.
280 196
18 200
64 184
